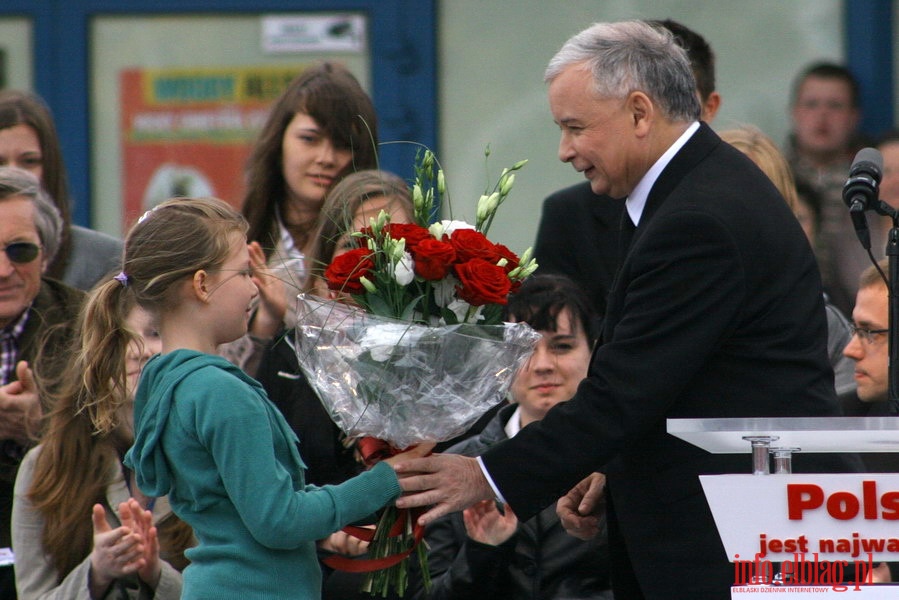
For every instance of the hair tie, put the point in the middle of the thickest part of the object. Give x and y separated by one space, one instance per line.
122 278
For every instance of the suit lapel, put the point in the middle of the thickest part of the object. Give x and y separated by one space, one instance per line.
694 152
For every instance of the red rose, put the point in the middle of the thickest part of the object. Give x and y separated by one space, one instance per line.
471 244
345 270
511 257
412 233
482 282
433 258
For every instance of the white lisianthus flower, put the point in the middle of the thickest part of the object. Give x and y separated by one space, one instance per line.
382 339
445 290
403 270
447 227
461 309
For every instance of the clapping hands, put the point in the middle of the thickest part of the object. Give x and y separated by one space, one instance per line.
130 548
20 410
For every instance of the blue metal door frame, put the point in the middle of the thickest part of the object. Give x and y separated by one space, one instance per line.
402 41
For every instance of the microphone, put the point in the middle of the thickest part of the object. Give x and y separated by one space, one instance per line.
861 190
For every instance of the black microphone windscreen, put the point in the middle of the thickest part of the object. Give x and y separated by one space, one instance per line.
869 161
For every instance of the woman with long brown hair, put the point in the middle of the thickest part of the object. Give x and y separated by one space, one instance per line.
322 128
81 527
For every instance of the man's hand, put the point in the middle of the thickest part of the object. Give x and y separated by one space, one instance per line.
582 507
450 482
20 409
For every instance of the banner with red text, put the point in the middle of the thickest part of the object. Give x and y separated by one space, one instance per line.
188 132
832 516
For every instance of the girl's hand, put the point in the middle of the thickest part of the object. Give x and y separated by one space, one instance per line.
272 295
141 521
116 552
487 525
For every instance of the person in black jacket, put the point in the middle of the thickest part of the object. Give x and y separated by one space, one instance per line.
703 321
487 553
578 231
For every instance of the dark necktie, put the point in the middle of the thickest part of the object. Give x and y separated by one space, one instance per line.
626 234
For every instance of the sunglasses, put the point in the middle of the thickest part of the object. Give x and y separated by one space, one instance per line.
22 252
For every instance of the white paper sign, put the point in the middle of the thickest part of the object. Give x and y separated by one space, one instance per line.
314 33
833 517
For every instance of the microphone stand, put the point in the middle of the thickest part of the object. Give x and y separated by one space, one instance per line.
892 253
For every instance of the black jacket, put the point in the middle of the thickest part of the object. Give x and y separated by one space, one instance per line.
717 311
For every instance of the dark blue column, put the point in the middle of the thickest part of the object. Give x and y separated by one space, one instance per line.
869 55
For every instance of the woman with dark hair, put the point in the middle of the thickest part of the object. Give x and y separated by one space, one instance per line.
322 128
28 141
485 551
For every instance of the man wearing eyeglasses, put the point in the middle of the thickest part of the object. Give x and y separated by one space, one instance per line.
868 346
37 316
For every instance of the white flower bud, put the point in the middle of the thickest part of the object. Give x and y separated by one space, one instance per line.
368 285
506 184
418 199
403 270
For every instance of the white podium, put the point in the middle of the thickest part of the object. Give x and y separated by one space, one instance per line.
811 434
796 520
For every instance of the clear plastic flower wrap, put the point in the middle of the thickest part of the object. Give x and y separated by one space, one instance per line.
402 382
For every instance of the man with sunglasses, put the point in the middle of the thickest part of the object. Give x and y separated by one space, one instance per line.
37 316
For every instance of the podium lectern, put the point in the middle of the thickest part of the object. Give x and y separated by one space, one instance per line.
791 518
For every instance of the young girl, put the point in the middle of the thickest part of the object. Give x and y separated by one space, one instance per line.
81 528
205 432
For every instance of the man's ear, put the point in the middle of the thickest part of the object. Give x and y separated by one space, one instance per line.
710 107
642 111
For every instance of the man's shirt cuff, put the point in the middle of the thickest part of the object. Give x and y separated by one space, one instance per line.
496 492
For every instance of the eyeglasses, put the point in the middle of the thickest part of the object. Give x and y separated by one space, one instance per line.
22 252
866 335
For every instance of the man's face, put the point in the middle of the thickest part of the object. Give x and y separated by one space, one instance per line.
824 118
871 359
596 132
19 282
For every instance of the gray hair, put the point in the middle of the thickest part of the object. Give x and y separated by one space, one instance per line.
47 220
633 56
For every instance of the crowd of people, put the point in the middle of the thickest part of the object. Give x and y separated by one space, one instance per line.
160 441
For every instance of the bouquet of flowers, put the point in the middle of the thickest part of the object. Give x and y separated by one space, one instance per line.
420 351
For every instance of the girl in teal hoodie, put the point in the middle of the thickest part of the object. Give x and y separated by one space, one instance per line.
205 433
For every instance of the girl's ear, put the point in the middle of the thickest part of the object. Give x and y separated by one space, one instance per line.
200 285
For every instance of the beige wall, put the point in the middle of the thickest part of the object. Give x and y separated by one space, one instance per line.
490 68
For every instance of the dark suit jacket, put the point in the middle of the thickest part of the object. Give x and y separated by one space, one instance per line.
717 311
578 237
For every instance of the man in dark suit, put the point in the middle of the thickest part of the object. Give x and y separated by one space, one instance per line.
578 231
717 311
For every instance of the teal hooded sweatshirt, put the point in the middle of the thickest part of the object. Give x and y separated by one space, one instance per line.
208 437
